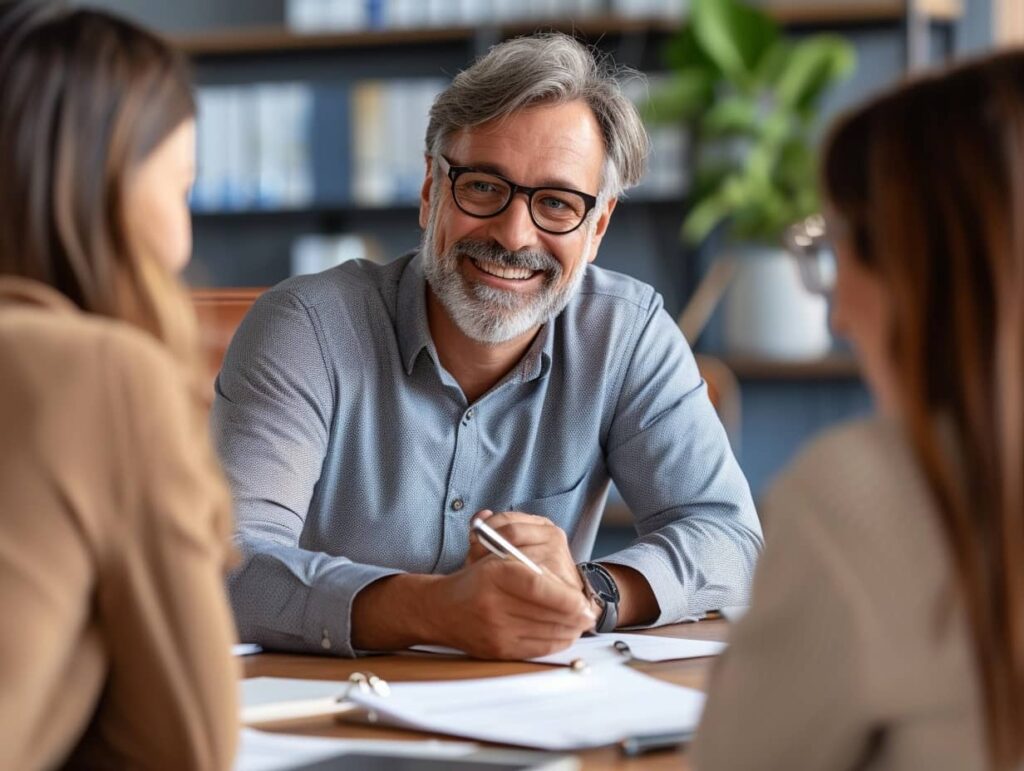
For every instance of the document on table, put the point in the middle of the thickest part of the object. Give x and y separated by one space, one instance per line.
263 751
602 648
561 709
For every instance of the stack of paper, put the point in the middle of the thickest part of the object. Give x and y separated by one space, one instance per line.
557 710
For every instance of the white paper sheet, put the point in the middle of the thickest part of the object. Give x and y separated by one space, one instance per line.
557 710
245 649
264 751
600 649
257 691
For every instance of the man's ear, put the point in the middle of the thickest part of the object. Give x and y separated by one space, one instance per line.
604 218
428 182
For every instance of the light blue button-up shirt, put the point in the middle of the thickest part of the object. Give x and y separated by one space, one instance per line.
353 454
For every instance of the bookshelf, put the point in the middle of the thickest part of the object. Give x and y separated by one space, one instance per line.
273 40
248 235
783 402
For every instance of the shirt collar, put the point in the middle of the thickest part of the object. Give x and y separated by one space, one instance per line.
414 329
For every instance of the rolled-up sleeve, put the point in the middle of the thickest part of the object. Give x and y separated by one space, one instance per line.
271 420
698 533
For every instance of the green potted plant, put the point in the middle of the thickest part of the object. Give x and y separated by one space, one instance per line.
750 99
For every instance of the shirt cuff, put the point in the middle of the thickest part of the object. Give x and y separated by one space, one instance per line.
328 617
672 595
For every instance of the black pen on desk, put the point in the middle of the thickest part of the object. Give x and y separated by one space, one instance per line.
644 743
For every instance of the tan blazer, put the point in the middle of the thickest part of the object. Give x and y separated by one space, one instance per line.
854 654
114 628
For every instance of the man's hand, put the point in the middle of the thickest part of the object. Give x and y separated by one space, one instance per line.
500 609
538 538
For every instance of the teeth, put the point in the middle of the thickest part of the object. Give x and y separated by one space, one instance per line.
503 271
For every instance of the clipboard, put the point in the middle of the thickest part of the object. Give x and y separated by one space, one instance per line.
539 710
256 715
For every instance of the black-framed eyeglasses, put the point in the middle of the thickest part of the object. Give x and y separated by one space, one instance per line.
808 241
481 194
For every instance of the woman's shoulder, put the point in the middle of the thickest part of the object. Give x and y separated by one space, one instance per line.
855 463
67 338
60 352
860 488
854 446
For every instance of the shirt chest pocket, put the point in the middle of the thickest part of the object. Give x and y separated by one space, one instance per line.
563 508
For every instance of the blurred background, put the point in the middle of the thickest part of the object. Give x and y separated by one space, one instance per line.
312 116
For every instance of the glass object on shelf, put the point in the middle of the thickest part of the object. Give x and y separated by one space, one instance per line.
667 176
315 252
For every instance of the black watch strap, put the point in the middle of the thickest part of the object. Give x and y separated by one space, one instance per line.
601 586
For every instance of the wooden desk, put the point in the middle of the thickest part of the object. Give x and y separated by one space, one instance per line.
691 672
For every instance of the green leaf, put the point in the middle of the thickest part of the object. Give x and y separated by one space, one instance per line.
734 36
704 217
814 64
709 177
684 96
773 63
729 117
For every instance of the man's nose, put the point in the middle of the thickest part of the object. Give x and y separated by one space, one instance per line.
514 228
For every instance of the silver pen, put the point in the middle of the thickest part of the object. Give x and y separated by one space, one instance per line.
497 544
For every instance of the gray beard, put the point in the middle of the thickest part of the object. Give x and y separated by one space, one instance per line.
487 314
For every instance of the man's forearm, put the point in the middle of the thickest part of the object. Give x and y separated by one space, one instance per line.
637 603
394 613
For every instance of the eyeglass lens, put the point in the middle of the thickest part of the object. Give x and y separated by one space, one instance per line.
807 240
484 194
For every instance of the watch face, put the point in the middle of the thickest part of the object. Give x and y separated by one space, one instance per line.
602 583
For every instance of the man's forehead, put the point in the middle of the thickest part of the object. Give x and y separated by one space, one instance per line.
559 144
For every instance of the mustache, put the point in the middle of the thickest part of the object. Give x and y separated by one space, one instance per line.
489 251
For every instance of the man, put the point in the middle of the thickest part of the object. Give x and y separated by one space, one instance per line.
366 414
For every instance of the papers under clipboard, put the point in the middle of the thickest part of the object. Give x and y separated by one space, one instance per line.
614 647
564 709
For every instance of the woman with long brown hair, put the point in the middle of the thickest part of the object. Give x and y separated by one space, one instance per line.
114 522
887 621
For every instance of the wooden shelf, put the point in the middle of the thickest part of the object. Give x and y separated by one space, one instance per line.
844 12
256 40
831 367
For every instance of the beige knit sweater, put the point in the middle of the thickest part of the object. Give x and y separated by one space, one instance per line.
854 654
114 527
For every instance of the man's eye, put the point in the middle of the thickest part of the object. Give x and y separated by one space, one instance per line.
555 203
483 187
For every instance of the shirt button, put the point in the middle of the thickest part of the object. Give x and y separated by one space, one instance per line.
457 504
469 414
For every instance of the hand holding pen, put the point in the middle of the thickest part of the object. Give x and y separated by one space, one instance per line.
537 539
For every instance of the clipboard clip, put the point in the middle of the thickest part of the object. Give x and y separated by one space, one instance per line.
366 682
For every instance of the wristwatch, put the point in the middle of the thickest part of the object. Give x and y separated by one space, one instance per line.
599 585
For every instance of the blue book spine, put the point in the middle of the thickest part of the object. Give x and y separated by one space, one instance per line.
330 142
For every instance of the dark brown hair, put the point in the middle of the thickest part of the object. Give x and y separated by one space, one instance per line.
928 182
84 98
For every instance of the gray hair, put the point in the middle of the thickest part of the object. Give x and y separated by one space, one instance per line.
547 68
